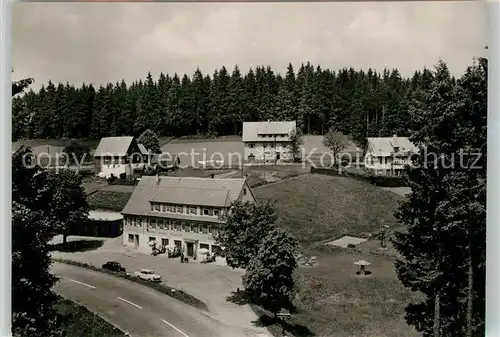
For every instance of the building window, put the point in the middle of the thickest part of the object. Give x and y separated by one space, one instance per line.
169 208
195 228
164 207
129 221
216 212
178 226
180 209
192 210
131 238
208 211
186 227
252 146
214 230
157 207
152 238
178 243
204 246
138 222
161 224
152 223
380 160
164 242
152 207
244 191
204 229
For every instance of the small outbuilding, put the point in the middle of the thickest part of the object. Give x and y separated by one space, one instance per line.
101 224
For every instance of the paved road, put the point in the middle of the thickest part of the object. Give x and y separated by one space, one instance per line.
137 309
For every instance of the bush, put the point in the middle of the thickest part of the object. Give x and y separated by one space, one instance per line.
162 288
111 179
381 181
123 176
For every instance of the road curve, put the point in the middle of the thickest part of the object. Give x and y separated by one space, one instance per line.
137 309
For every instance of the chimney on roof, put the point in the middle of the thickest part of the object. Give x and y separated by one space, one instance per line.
157 179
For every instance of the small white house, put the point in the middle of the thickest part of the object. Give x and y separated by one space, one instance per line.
388 155
117 155
267 141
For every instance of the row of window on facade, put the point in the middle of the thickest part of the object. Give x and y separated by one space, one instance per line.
178 243
387 160
185 209
264 145
174 225
124 160
272 135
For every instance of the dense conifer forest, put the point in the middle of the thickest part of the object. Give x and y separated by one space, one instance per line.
359 103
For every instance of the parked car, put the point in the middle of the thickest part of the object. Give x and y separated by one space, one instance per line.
148 275
113 266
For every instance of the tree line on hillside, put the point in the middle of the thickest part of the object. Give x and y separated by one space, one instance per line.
356 102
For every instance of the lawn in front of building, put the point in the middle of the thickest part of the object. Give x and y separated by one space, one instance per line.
332 300
108 200
317 208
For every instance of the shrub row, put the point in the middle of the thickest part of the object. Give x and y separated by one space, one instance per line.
160 287
382 181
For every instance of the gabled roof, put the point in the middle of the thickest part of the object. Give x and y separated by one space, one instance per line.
142 148
216 192
384 146
252 130
117 146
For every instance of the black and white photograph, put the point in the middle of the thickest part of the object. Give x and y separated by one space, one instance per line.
290 169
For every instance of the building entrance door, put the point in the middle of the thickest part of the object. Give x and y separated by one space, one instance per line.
190 249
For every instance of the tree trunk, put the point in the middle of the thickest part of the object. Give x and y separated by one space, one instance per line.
65 238
437 301
470 273
470 294
437 314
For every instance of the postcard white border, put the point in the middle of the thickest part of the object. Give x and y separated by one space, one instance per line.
493 170
5 168
493 186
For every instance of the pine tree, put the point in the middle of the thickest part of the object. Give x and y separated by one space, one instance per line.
443 249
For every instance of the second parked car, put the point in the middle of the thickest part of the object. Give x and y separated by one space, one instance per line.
148 275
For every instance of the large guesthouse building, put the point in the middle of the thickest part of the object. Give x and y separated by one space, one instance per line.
185 212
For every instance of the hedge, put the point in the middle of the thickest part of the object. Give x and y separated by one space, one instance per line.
162 288
381 181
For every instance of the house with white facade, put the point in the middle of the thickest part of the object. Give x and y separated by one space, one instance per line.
267 141
117 155
180 211
388 155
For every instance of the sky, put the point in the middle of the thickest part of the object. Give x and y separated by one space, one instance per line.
106 42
